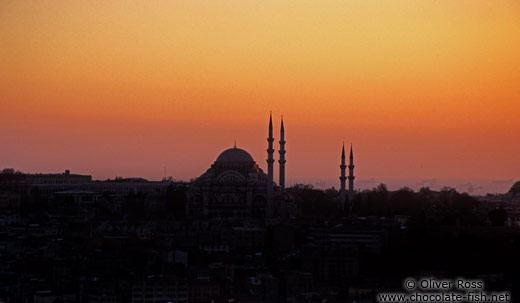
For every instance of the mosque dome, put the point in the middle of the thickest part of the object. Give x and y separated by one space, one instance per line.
234 155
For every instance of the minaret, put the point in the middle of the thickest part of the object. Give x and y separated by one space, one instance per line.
282 157
270 162
342 178
351 175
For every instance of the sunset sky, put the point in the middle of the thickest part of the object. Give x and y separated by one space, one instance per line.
423 89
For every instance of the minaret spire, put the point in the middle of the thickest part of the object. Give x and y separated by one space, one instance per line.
270 162
342 178
351 175
282 157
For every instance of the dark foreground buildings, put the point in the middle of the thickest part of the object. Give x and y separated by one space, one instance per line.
234 235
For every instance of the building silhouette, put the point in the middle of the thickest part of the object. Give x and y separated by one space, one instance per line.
236 187
343 195
282 157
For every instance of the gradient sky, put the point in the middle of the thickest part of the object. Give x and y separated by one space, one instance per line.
423 89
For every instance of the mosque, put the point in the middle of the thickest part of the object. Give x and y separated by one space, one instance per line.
236 187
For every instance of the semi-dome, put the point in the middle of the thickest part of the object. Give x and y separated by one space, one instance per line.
234 154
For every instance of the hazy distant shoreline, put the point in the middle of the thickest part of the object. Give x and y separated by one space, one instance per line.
470 186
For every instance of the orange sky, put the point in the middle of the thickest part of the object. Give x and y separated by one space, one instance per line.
424 89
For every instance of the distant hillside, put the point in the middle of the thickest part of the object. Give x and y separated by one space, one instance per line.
515 189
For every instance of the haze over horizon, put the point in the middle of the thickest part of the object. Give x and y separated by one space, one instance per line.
423 89
470 186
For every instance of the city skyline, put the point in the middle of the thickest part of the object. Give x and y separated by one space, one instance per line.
197 151
423 90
